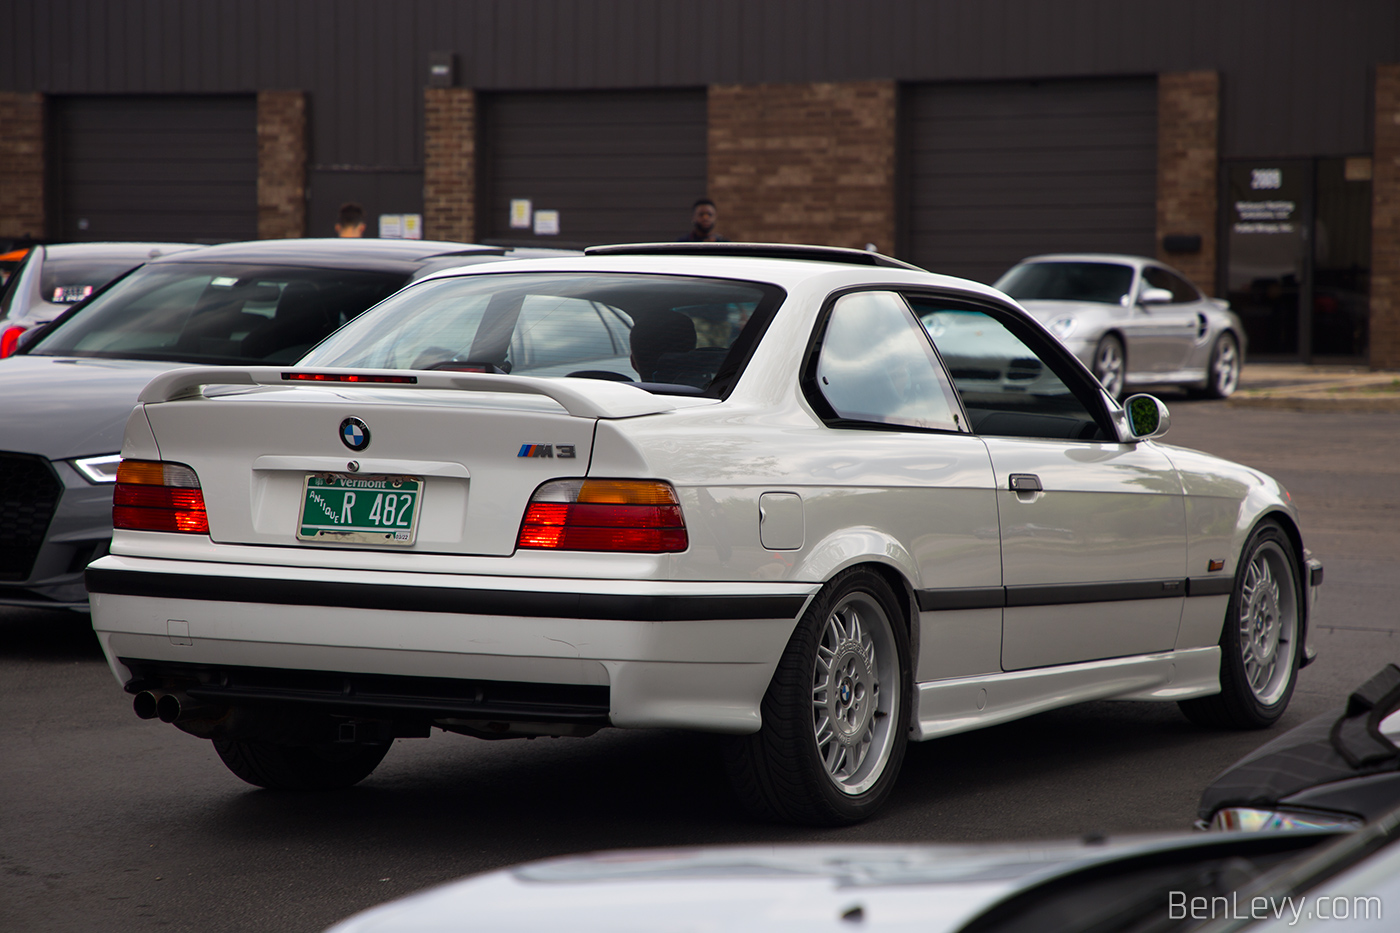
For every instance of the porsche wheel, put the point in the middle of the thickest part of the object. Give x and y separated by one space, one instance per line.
835 717
300 767
1223 376
1110 365
1261 643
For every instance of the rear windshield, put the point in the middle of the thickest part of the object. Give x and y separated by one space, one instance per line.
1103 282
66 281
670 334
217 313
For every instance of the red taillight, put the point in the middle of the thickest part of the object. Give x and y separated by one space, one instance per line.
604 515
154 496
350 377
9 340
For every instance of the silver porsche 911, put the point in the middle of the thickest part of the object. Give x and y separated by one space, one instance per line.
1132 320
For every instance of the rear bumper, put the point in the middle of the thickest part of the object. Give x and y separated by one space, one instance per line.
674 654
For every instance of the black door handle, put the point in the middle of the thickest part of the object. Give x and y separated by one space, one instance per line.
1025 482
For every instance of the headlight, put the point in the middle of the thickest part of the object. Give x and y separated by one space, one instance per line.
1062 327
1250 820
99 469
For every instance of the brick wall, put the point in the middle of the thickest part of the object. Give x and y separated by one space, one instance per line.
1385 222
449 164
1188 156
804 163
281 164
21 165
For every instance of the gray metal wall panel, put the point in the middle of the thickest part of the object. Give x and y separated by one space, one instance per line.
155 168
1002 170
1296 73
617 165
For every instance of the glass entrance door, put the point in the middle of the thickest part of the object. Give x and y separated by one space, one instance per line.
1269 210
1298 256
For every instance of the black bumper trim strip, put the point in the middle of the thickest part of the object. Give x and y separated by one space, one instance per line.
442 598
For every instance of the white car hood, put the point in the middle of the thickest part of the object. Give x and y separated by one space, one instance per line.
806 888
62 407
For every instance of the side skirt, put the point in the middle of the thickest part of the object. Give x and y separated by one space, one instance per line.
961 704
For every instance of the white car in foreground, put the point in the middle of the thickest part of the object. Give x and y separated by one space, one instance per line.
813 498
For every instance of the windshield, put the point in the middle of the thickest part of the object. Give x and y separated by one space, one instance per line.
669 333
1103 282
217 313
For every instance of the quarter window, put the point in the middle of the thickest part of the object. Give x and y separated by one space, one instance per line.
876 366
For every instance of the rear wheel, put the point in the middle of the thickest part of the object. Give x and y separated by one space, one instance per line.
1110 365
1223 376
1261 640
300 767
835 717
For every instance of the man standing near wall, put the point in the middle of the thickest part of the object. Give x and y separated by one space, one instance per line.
703 217
351 222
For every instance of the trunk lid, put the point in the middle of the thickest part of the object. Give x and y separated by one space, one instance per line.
479 454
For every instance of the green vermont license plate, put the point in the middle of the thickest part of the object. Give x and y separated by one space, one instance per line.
353 509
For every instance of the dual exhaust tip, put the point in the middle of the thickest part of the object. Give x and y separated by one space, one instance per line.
168 707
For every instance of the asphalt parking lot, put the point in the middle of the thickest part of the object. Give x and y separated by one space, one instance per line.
110 823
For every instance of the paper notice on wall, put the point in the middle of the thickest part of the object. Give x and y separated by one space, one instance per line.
413 226
520 214
391 226
546 223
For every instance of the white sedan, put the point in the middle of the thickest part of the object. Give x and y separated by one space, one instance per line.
771 492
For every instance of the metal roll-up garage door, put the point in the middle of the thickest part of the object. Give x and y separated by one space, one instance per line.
155 168
997 172
618 166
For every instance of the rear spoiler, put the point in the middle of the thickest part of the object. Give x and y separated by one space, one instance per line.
582 398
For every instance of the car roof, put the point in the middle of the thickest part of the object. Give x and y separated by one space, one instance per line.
787 273
332 252
1122 259
141 251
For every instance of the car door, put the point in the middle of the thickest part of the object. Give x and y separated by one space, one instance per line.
904 470
1093 540
1167 331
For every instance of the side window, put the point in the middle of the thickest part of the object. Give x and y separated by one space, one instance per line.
875 365
1008 383
1182 290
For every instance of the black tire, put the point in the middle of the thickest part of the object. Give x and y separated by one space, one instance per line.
300 767
781 773
1111 365
1254 691
1223 374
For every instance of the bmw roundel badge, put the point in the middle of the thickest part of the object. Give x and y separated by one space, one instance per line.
354 433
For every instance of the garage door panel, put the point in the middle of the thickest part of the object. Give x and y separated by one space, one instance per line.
165 168
1002 170
617 165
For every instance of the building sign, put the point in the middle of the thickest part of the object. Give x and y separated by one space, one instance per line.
520 213
546 223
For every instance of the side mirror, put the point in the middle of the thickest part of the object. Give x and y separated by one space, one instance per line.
1147 417
1155 296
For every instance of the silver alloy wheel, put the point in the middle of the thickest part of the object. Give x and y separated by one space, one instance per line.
1268 622
1109 365
1225 367
855 693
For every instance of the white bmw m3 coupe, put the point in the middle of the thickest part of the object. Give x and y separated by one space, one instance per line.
815 499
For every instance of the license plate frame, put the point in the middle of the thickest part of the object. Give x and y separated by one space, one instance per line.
363 518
